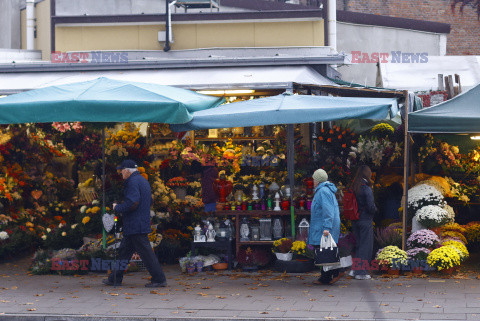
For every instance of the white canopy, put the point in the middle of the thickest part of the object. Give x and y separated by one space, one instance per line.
271 77
423 76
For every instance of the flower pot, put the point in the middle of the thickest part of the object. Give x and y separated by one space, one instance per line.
284 256
417 270
448 271
220 266
391 271
199 266
190 269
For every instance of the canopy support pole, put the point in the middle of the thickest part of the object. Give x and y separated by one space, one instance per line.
104 234
291 172
406 159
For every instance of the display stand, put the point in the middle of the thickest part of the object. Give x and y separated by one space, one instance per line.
225 246
255 213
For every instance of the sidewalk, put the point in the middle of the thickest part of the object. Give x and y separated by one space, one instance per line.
233 296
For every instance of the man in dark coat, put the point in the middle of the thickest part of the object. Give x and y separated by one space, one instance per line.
135 210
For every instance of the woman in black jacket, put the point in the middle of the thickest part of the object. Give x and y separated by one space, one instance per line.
363 227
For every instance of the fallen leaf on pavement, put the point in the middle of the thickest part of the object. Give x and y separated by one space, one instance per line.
263 312
252 288
202 294
384 304
32 309
437 306
312 299
14 287
127 297
220 297
345 315
205 287
113 294
38 294
153 292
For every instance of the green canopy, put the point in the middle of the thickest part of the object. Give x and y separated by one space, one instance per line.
104 100
460 114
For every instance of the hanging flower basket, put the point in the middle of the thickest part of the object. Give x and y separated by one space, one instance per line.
284 256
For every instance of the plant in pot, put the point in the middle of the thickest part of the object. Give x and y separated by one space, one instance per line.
416 256
302 251
423 238
444 258
393 257
282 249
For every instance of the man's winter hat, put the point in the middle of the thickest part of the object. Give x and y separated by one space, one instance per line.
128 163
320 176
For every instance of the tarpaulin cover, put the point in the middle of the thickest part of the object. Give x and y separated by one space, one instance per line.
104 100
290 109
460 114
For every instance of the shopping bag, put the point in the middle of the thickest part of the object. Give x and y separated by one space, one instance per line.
345 262
327 253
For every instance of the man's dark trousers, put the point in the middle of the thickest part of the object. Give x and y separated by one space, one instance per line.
139 243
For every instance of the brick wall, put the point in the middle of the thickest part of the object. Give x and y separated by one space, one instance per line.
464 38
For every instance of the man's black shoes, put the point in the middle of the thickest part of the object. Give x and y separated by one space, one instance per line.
110 283
156 285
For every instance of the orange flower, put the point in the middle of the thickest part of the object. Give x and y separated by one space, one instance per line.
354 141
343 133
339 136
320 138
58 218
344 145
329 140
331 131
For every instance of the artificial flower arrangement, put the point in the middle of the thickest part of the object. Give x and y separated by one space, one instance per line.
392 255
444 257
283 245
177 182
460 247
432 216
376 151
423 238
300 248
418 253
422 195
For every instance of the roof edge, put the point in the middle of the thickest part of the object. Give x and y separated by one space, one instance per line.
394 22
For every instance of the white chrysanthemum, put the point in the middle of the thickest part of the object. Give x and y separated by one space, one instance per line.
3 235
450 212
432 216
423 193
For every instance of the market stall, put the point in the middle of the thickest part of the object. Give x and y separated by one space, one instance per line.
447 176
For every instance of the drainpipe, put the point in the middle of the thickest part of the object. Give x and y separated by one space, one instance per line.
332 23
30 6
168 24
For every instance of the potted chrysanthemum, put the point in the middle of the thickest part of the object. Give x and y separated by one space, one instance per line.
282 249
444 258
393 257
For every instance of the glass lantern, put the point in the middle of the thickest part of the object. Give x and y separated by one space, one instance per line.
265 229
244 230
303 229
255 229
277 228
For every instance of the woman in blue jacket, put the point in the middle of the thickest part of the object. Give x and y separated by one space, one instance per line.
363 227
325 219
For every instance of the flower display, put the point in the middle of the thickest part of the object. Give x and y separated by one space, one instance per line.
162 194
444 257
391 255
390 235
3 235
461 248
423 238
455 235
301 248
382 130
432 216
472 232
418 253
177 182
422 195
283 245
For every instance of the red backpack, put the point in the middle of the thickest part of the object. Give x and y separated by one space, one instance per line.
350 207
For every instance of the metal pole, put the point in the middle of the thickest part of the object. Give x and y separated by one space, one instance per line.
291 173
104 237
406 158
167 26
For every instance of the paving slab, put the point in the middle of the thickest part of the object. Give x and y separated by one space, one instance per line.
233 296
